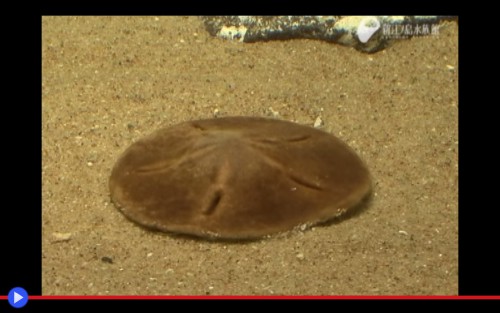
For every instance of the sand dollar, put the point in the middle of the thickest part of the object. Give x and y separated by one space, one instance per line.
237 177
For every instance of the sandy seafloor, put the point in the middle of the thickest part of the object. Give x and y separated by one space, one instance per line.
108 81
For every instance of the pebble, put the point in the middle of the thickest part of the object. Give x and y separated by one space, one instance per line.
60 237
273 112
318 122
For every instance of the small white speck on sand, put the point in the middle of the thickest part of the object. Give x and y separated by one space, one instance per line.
60 237
318 122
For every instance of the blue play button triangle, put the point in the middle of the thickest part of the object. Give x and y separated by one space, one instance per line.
18 297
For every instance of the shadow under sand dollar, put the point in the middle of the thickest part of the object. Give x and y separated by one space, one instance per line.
237 178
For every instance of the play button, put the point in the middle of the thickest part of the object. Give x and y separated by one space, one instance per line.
18 297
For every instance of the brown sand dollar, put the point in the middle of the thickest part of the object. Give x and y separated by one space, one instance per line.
237 177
